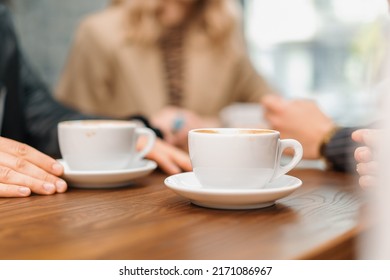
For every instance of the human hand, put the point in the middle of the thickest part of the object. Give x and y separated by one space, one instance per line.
175 123
298 119
170 159
367 165
24 170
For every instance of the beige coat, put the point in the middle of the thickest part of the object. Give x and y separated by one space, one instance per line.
108 75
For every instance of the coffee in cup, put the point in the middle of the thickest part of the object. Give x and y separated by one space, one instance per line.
235 158
102 144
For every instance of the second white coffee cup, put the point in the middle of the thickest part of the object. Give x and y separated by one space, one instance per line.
102 144
235 158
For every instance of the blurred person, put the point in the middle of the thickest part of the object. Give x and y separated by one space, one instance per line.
319 135
28 123
178 62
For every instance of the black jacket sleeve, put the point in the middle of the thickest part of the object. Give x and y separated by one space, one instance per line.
339 152
42 112
30 114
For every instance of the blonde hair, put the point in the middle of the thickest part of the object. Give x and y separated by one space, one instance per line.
216 20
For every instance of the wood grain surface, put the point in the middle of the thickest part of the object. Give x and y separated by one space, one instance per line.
146 220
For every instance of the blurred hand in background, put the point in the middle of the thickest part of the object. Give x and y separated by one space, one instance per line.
298 119
175 123
170 159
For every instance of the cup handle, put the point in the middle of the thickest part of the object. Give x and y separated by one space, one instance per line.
143 131
298 152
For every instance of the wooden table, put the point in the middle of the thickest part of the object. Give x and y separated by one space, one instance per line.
321 220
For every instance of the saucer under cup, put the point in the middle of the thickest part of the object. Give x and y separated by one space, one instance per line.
188 186
95 179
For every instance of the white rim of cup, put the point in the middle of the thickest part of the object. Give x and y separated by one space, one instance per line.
78 124
207 132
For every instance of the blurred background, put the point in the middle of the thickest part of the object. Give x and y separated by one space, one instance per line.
330 50
46 29
320 49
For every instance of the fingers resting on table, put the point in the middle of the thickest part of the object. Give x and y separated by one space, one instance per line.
25 170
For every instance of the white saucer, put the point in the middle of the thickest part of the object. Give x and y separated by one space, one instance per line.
186 185
106 178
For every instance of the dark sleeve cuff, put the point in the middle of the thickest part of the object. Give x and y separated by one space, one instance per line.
146 123
339 152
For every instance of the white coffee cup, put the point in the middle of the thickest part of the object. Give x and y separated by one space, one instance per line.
102 144
239 158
